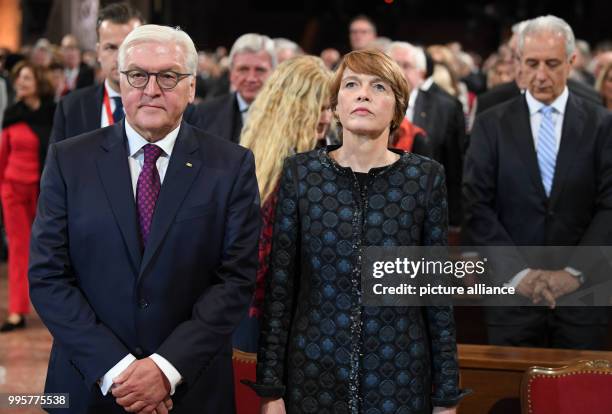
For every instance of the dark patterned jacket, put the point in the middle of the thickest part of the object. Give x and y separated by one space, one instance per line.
320 349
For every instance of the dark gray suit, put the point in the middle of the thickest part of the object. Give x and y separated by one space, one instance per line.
505 204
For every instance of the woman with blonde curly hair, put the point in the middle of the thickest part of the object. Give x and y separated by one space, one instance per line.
289 115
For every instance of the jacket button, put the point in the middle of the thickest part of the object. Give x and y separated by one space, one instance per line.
138 351
142 303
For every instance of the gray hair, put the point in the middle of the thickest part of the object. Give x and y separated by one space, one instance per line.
517 28
549 24
253 43
152 33
280 43
584 48
420 61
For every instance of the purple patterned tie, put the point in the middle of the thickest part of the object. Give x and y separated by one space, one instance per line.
147 190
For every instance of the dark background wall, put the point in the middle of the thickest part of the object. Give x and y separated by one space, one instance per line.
316 24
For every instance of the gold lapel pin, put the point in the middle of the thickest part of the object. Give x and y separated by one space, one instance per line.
189 164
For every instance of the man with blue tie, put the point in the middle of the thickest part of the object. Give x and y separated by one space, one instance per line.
98 106
538 172
144 248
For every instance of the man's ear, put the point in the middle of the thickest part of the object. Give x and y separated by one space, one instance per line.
192 89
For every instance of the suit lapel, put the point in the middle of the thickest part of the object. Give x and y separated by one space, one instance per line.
93 112
235 119
114 172
573 124
516 120
185 163
421 110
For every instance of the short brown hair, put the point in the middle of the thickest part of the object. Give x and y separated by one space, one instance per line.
118 13
43 85
376 63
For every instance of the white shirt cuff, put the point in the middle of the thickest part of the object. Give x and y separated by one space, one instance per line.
107 380
174 377
514 282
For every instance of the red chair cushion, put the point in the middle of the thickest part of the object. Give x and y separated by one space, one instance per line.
580 393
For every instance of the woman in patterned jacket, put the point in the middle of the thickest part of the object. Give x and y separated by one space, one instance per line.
321 350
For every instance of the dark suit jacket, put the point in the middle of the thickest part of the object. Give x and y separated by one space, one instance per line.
86 76
441 116
78 112
506 91
220 116
504 199
81 111
102 298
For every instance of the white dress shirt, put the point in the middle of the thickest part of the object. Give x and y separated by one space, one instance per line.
535 120
535 116
136 161
243 107
110 92
413 97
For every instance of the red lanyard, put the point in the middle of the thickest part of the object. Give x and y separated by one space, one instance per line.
109 113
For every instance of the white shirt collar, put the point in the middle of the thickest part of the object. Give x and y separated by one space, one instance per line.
243 106
110 92
136 141
558 104
426 84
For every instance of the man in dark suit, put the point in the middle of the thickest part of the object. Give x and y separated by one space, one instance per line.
538 172
144 248
252 61
77 73
440 115
98 106
509 90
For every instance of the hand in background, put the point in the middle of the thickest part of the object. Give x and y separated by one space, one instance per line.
444 410
141 387
560 282
527 285
276 406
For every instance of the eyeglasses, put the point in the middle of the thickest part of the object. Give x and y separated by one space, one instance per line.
165 80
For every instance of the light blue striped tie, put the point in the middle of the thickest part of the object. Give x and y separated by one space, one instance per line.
547 148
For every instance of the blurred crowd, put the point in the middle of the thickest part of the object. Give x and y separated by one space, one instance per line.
462 73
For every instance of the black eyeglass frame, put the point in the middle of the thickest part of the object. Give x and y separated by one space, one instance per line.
179 77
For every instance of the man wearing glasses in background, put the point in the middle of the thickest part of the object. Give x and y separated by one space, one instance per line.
144 249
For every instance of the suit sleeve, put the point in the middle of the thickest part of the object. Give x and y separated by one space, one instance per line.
440 320
194 343
91 346
58 131
453 163
599 232
481 224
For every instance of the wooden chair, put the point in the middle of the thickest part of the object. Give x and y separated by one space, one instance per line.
583 387
247 402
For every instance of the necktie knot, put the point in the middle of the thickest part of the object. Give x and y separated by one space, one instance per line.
547 110
151 154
